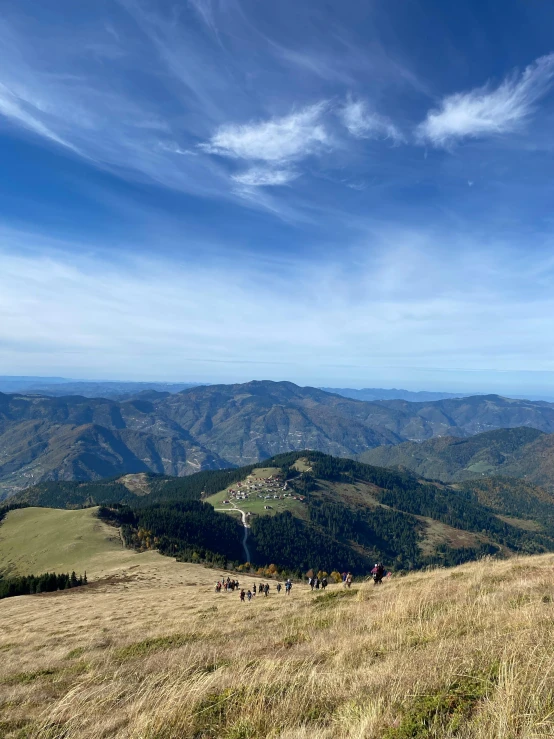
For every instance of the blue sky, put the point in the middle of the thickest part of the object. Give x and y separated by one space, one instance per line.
332 193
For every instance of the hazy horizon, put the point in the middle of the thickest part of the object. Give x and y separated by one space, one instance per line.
409 387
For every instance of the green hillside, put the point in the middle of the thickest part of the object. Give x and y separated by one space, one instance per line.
35 540
310 510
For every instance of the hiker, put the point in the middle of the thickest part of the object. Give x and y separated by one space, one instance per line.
254 589
324 583
349 580
288 586
378 573
249 595
317 583
266 589
279 586
311 582
344 576
242 595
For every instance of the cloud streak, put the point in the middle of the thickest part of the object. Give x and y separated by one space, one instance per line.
488 111
259 177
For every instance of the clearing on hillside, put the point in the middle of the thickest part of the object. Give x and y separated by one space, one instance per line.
262 492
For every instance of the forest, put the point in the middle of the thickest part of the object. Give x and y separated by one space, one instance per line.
188 529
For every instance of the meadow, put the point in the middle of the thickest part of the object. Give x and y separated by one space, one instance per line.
152 652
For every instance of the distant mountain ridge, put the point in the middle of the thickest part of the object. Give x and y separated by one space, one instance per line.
217 426
375 393
524 453
61 386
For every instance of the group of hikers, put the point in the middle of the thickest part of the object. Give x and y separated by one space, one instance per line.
315 583
226 585
249 594
230 585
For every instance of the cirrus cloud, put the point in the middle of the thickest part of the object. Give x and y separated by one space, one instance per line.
260 176
362 123
485 111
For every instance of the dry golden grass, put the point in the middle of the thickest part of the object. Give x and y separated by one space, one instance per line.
462 653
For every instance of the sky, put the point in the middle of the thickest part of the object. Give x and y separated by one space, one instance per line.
341 194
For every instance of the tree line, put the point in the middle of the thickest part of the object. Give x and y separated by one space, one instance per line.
46 583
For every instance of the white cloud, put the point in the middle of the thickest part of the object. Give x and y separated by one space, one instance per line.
260 176
364 124
485 111
277 140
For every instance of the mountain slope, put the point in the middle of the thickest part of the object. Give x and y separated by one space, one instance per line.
443 653
335 513
218 426
521 453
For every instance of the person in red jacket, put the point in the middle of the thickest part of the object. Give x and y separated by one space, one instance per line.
378 573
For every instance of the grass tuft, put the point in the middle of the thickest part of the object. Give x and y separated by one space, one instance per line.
155 644
440 713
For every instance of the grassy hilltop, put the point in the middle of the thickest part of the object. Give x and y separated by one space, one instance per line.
157 654
34 540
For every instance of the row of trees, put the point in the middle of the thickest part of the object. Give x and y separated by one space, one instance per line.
45 583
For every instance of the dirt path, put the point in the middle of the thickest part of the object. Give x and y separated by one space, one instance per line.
246 527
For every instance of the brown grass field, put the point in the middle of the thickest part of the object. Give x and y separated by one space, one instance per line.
152 652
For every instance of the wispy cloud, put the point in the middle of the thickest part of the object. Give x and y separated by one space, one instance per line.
260 176
363 123
28 115
276 140
488 111
272 145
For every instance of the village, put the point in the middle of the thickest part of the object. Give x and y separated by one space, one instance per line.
269 488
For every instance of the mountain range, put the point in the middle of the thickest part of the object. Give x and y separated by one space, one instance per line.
60 386
218 426
123 390
524 453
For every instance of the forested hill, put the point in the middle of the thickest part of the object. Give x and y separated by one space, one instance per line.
335 513
214 427
524 453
